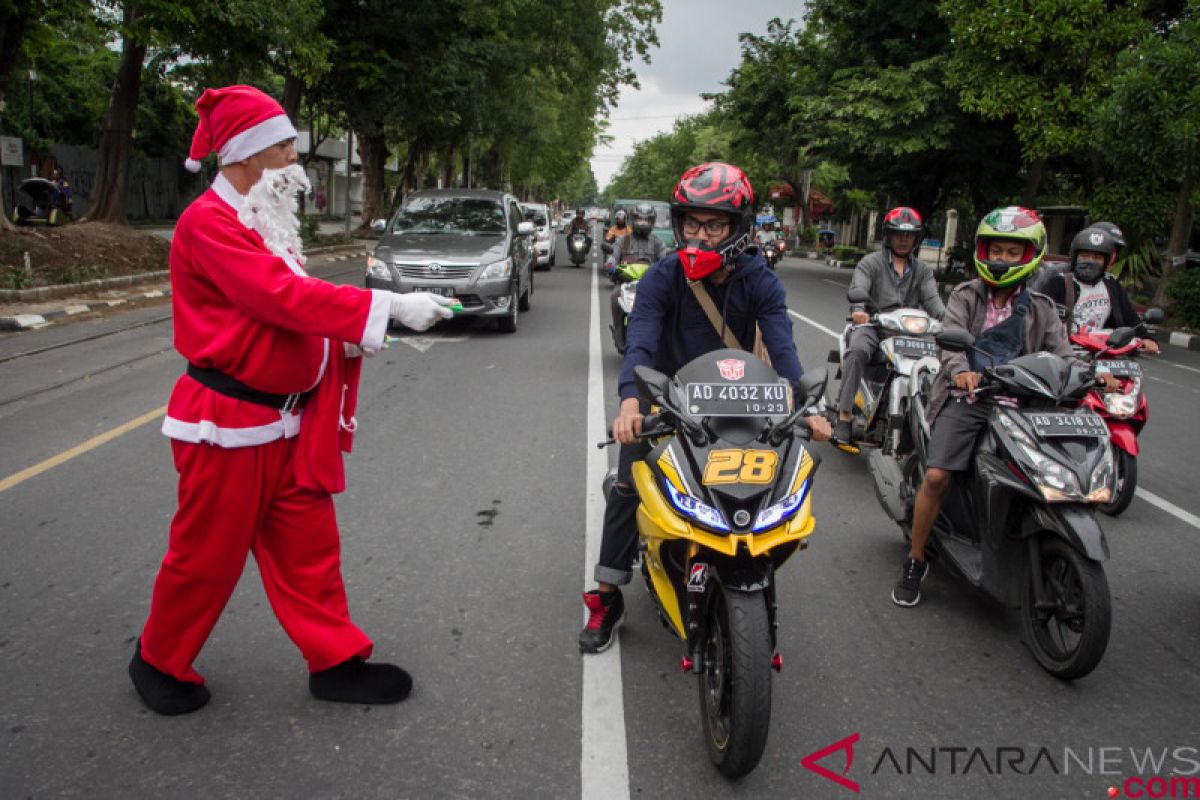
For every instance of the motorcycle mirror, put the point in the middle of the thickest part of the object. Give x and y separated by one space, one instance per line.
525 228
955 340
1120 338
857 294
378 225
812 384
651 383
1153 316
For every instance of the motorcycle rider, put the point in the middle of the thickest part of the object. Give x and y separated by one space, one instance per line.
620 227
580 225
638 243
896 278
712 210
766 234
1091 297
1008 320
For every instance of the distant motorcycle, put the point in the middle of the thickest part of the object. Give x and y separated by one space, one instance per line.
1125 411
578 247
773 251
626 276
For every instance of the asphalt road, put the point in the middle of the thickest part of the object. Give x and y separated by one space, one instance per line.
464 554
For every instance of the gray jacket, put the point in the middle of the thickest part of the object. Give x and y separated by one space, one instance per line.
919 289
632 247
967 311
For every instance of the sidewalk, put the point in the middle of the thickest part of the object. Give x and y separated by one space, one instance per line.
146 288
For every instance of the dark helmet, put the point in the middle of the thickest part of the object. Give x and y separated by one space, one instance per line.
714 186
903 219
1117 236
619 218
579 212
644 217
1093 240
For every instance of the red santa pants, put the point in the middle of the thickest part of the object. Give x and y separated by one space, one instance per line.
234 501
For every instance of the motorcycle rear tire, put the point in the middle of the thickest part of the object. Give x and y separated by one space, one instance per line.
1126 483
1078 588
735 687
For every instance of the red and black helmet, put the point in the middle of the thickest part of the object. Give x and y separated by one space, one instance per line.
903 219
715 187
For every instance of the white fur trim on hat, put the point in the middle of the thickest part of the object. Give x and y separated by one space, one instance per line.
191 165
256 139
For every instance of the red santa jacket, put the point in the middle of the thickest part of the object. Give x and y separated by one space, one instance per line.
243 310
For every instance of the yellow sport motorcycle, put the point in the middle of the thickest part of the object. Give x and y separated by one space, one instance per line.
725 498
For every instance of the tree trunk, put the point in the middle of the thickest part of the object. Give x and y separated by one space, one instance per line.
1181 231
372 149
293 92
116 134
1033 182
446 168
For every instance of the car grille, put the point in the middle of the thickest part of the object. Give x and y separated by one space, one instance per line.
448 272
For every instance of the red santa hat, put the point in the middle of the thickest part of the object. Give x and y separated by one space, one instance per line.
237 122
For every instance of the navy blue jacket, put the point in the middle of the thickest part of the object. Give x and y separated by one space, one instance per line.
668 327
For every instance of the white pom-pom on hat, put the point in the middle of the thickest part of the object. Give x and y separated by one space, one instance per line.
191 165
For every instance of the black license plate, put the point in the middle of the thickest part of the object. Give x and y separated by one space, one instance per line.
737 399
1122 369
444 291
914 348
1076 425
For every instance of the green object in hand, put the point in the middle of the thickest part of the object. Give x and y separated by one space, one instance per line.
456 307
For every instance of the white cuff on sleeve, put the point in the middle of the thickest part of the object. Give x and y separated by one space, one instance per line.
377 320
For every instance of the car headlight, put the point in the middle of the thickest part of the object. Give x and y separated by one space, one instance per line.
915 324
1056 481
703 513
1120 405
771 516
500 269
377 268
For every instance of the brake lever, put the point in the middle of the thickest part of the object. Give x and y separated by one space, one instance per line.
662 430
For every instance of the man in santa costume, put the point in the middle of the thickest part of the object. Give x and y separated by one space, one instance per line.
259 421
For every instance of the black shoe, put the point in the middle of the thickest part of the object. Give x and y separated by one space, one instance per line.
842 436
606 612
359 681
908 589
162 693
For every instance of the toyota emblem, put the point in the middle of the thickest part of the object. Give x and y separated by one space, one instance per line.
435 267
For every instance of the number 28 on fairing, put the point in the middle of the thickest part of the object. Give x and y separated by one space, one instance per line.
740 466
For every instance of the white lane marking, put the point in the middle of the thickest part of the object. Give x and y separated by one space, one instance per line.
835 283
604 767
814 323
1169 507
1173 364
1149 497
423 343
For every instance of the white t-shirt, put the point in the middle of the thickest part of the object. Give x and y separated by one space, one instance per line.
1092 306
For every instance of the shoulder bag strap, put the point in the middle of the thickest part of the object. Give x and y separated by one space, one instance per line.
710 310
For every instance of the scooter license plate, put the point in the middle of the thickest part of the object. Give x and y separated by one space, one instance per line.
737 399
444 291
914 348
1122 368
1082 426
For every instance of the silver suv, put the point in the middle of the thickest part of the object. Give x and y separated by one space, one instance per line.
473 244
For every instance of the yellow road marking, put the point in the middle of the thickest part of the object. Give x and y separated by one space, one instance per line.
78 450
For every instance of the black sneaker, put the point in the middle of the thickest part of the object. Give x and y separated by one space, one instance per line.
606 610
842 436
908 589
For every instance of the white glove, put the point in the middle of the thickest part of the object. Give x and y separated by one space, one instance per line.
419 310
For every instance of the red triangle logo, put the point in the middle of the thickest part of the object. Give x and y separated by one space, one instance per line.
847 744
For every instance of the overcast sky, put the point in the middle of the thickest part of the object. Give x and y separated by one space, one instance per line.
698 47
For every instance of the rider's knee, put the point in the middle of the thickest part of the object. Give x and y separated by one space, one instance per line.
937 481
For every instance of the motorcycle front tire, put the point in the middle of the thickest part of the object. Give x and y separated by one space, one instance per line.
1078 588
735 687
1126 483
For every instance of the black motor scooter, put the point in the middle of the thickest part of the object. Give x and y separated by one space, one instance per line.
1020 523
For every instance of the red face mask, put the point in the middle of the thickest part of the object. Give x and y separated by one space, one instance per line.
698 262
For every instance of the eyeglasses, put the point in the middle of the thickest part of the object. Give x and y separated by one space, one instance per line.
714 227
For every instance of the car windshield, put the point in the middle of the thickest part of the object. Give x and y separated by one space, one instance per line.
539 216
472 216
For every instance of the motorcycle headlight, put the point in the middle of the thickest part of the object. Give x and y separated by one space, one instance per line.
500 269
915 324
703 513
1101 481
1056 481
771 516
377 268
1120 405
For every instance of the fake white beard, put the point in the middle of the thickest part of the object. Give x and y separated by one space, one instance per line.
271 207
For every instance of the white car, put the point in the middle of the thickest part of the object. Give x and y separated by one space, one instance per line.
546 237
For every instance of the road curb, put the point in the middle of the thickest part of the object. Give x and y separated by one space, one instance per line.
1189 341
24 322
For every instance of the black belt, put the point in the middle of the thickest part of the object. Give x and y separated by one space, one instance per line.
231 387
